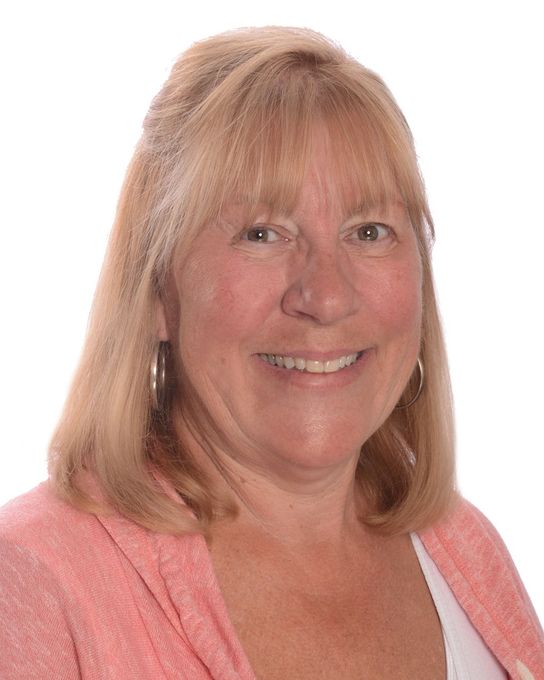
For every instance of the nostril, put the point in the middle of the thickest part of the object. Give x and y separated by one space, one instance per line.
322 292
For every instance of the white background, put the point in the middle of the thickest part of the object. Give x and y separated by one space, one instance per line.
76 81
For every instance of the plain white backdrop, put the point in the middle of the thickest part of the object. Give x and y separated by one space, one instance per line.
76 81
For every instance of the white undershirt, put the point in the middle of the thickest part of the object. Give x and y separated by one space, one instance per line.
467 655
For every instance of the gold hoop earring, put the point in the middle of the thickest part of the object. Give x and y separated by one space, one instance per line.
419 387
158 376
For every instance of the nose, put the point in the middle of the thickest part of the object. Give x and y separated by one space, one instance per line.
323 289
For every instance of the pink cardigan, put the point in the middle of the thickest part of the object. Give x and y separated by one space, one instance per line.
100 598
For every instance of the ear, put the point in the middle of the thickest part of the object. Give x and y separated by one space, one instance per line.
161 327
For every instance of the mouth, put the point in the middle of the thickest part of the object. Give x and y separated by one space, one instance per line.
310 365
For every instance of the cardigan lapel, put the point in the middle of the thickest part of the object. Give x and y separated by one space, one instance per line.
471 556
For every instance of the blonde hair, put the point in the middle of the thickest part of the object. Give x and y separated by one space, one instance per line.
235 119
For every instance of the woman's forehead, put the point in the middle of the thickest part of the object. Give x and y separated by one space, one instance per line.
280 176
329 193
244 213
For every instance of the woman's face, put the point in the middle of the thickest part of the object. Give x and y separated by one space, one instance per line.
300 331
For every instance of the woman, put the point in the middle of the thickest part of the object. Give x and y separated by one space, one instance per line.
253 475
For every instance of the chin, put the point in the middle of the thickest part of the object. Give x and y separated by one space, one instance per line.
317 450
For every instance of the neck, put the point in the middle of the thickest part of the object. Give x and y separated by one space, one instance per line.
292 504
290 507
301 512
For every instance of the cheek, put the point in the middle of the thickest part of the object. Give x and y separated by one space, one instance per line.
397 298
227 302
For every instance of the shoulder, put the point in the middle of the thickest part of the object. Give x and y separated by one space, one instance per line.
86 591
77 549
475 562
41 524
467 548
41 527
41 538
49 551
469 534
33 511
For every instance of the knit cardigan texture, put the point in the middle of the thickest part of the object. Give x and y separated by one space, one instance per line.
100 598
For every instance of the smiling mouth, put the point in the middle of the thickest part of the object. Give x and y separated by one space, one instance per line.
309 365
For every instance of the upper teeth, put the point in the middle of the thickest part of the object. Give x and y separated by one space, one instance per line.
310 365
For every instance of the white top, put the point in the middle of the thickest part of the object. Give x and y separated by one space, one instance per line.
467 655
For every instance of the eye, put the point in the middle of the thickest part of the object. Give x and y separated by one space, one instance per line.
373 232
261 234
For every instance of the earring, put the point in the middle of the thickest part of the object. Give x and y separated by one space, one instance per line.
158 376
419 387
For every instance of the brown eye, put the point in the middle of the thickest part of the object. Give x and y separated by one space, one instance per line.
261 235
257 235
371 232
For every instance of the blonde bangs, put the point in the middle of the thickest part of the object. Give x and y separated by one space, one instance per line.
259 151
